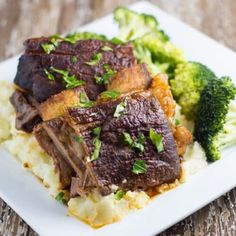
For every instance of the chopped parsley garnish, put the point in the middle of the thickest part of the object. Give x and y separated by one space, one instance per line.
139 167
139 144
60 198
97 143
70 80
79 139
119 194
74 59
109 94
97 131
156 139
104 79
120 109
106 48
127 139
84 102
48 47
95 59
177 122
116 41
49 75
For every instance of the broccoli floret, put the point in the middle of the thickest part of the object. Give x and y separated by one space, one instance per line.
144 56
187 85
215 121
161 51
163 56
133 25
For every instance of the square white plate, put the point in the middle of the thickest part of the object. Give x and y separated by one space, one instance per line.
32 202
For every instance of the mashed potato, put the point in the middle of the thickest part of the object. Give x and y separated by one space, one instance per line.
95 209
31 155
98 211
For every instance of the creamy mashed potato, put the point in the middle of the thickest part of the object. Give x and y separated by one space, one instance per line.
95 209
98 211
24 146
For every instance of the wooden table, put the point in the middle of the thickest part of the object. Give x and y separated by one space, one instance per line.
26 18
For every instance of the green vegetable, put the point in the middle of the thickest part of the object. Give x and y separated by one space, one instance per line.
60 198
116 41
189 81
70 80
156 139
49 75
74 59
151 45
127 139
97 145
165 55
48 47
139 145
177 122
119 195
139 167
73 38
109 94
120 109
95 59
84 102
106 48
79 139
215 120
97 131
104 79
144 56
132 24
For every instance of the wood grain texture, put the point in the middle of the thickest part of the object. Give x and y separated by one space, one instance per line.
26 18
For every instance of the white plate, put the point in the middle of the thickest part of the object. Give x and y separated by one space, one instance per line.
31 201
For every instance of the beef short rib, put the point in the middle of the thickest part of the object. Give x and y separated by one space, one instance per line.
72 58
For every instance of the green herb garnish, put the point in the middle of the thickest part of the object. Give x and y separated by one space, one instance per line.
79 139
95 59
120 108
97 145
119 195
97 131
177 122
74 59
84 102
60 198
48 47
139 167
109 94
127 139
70 80
137 145
116 41
106 48
156 139
104 79
49 75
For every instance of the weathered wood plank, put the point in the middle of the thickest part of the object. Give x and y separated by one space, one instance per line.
26 18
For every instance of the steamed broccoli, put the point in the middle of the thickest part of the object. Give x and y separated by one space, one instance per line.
133 25
215 121
151 45
189 81
161 51
144 56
